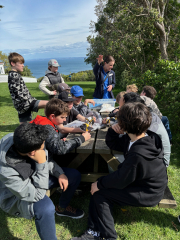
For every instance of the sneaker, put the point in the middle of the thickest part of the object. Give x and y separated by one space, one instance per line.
179 218
69 212
86 236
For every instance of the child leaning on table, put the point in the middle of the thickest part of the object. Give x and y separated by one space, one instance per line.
140 180
23 102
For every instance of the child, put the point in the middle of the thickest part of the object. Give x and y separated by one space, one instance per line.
118 98
26 172
140 180
56 113
23 102
74 115
131 88
77 94
51 79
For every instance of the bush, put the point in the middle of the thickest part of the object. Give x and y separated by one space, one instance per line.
80 76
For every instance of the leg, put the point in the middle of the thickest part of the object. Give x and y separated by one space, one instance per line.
44 219
39 104
165 121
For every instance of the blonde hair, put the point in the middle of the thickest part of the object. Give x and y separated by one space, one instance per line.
119 96
132 88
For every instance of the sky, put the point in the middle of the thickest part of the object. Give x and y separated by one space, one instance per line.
46 28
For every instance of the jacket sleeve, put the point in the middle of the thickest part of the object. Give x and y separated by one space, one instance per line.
42 86
113 80
59 147
31 189
124 176
114 141
96 70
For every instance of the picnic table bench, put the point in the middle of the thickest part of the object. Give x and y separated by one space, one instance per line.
96 148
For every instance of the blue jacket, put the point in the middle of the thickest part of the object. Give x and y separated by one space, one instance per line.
99 90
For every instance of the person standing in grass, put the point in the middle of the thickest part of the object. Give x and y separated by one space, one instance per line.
105 77
27 170
23 102
52 79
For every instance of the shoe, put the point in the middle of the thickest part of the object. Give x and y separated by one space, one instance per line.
69 212
179 218
86 236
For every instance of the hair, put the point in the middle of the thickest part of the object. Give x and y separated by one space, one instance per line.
119 96
132 87
133 97
108 59
150 91
134 118
29 137
15 57
57 107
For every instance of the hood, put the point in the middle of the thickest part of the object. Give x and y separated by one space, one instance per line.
39 120
149 147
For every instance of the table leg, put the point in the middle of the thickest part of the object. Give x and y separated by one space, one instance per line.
111 160
96 163
78 160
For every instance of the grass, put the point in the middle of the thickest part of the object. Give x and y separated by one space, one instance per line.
131 223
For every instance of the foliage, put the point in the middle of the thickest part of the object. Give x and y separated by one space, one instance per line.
82 76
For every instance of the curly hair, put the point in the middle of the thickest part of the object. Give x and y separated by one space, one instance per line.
57 107
150 91
29 137
132 87
134 118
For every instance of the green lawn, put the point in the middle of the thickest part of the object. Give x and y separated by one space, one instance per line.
132 224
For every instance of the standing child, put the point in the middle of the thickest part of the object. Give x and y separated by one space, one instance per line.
23 102
52 79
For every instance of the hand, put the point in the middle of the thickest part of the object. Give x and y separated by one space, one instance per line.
63 139
63 182
109 88
117 128
100 59
38 155
86 135
94 188
115 110
54 92
89 101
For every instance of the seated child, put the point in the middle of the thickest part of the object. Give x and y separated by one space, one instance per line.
148 94
131 88
74 115
26 172
51 79
118 97
77 94
56 113
140 180
23 102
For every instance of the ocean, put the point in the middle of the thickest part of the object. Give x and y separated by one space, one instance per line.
68 65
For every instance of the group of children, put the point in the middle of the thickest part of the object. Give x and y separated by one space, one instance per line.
28 169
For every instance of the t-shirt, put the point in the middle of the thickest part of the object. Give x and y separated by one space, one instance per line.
106 84
72 116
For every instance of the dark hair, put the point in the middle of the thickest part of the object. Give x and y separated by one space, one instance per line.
134 118
57 107
29 137
150 91
133 97
15 57
108 59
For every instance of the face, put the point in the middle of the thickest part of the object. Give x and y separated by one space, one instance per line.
78 100
70 105
121 102
108 66
143 93
54 69
58 119
18 66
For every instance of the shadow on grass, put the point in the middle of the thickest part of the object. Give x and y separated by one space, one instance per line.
8 128
5 234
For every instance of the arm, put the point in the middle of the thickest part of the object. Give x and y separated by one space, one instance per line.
64 129
42 86
113 80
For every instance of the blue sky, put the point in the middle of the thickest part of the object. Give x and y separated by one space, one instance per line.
46 28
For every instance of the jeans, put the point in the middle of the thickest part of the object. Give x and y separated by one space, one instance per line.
165 121
44 209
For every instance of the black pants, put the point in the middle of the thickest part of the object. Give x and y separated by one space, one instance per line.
100 210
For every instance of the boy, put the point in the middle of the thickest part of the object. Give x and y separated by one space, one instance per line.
77 94
148 94
131 88
56 113
26 172
23 102
74 115
139 181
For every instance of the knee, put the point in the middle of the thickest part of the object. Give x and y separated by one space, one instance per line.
44 207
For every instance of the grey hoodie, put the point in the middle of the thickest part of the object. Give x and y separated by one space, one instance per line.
18 194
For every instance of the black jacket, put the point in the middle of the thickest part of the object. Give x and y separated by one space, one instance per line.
99 90
143 173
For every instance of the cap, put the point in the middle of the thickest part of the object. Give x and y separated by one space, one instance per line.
53 62
66 97
62 87
77 91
